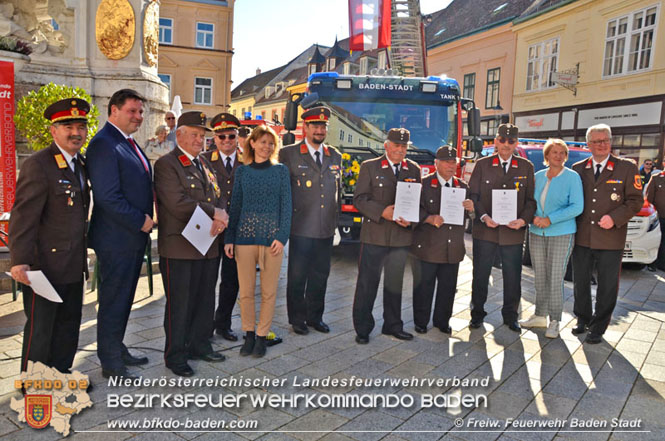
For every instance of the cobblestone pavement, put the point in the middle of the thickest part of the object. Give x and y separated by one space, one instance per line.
532 379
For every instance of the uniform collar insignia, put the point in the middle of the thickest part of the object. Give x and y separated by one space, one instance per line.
60 160
495 161
610 165
513 163
214 156
384 163
455 182
405 166
434 182
589 163
184 160
303 148
326 151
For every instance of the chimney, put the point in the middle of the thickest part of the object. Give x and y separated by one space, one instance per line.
258 71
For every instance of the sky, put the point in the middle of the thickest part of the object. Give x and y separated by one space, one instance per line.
269 33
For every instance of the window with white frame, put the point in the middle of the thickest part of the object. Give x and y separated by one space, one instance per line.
542 61
469 85
166 79
492 89
364 62
202 90
204 35
381 63
331 64
165 30
628 42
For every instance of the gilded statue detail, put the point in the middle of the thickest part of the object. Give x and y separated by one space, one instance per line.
115 28
151 33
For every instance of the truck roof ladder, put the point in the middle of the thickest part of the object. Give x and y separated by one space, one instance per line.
407 54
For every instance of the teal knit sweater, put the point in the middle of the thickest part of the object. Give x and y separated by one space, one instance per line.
260 205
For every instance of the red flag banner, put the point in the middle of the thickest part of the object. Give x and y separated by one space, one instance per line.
7 147
369 24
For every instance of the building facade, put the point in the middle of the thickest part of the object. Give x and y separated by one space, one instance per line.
195 51
616 48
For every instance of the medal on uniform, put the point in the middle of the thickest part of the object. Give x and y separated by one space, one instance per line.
308 183
70 202
614 197
517 186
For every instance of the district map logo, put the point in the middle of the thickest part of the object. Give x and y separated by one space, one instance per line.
38 410
51 397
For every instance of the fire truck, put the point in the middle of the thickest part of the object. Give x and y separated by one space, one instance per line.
363 110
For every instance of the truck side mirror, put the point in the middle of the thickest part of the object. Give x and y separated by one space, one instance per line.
473 121
291 112
288 138
476 144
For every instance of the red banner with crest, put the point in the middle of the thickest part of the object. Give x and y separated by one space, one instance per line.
7 140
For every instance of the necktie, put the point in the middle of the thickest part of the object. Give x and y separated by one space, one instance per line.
77 172
228 165
595 175
136 149
505 167
447 184
396 170
318 158
197 163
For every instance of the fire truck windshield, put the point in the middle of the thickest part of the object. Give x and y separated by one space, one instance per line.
366 123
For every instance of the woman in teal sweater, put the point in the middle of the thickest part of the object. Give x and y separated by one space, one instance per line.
259 226
560 200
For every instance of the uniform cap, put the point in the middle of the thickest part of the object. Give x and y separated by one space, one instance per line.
244 132
224 121
446 153
193 119
399 136
69 109
508 130
316 114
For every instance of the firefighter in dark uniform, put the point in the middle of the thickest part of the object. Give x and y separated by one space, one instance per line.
655 193
225 159
438 246
47 232
612 195
502 170
384 242
183 181
315 170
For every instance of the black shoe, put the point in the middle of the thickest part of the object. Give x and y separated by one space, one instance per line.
446 329
362 340
320 326
593 338
182 370
300 329
248 346
652 268
581 328
123 372
259 347
400 335
421 329
129 360
213 357
475 323
514 326
227 334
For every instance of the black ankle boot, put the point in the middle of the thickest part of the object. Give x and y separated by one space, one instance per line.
248 346
259 347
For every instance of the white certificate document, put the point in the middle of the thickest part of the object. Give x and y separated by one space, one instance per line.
197 231
40 285
504 206
452 210
407 201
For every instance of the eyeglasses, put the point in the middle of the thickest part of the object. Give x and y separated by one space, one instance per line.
232 136
600 141
503 140
170 117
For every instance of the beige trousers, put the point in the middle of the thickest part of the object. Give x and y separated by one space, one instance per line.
247 256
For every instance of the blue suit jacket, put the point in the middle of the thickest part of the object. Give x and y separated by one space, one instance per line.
122 192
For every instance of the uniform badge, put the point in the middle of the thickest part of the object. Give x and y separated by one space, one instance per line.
615 197
405 165
495 161
38 410
434 182
384 163
517 186
513 163
60 160
326 151
303 148
610 165
184 160
638 182
308 183
214 156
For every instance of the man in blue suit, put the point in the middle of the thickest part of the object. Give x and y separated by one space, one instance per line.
121 221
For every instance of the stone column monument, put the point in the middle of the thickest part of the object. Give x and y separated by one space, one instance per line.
98 45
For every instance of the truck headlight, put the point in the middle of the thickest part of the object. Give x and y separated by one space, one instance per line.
653 222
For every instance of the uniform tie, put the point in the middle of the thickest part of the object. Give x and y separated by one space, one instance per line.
318 158
77 172
228 165
595 175
197 163
447 184
505 167
396 170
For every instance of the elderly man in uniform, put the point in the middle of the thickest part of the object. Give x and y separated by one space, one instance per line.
500 171
170 123
183 182
315 188
224 161
655 192
438 246
47 232
384 242
612 195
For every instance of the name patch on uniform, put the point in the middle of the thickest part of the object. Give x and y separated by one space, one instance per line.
302 166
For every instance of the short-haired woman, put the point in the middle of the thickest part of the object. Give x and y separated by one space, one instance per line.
560 200
259 226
